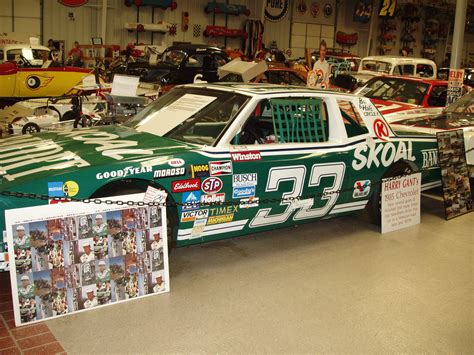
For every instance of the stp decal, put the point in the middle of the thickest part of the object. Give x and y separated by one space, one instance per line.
381 129
185 185
211 185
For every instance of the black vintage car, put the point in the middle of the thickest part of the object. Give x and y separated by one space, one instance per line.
180 64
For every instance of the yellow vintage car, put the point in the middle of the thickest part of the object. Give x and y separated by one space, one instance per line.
27 82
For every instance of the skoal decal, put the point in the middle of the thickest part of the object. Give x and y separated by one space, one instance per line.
384 153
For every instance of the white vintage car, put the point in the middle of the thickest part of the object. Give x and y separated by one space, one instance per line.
396 65
30 54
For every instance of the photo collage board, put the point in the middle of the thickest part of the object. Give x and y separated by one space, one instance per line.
454 173
71 257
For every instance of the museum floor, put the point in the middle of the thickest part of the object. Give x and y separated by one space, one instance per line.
332 286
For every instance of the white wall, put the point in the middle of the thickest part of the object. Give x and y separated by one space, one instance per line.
20 16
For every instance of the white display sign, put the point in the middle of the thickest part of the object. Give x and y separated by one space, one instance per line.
455 85
401 202
72 257
125 85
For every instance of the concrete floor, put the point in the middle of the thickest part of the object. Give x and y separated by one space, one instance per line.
332 286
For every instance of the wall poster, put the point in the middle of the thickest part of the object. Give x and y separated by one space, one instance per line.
454 173
71 257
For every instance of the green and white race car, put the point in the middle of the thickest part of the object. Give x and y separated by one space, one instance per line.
234 159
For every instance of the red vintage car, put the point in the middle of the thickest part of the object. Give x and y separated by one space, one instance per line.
399 97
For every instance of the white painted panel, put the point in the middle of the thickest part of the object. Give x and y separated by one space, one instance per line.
28 8
5 24
297 52
31 26
5 10
327 31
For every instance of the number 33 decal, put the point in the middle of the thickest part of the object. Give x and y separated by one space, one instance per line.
297 174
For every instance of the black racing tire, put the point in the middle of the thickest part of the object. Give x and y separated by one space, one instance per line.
115 189
374 206
30 128
83 121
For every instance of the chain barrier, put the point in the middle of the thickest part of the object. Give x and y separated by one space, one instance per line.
99 201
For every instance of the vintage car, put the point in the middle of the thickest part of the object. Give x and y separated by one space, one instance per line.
20 83
28 54
180 64
399 97
403 66
458 115
338 56
234 158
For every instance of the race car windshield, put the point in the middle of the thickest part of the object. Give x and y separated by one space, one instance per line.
464 105
376 65
189 115
395 89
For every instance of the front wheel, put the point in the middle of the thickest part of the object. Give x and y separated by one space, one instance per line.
30 128
374 207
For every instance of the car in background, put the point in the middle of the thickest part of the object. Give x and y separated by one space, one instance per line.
395 65
338 56
458 115
399 97
26 55
443 74
180 64
269 156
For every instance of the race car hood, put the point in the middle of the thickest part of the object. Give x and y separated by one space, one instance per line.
30 157
388 107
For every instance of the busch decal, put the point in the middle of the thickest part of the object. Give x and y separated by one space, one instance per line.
211 185
249 179
185 185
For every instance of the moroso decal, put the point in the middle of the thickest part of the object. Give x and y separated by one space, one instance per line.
73 3
382 153
246 156
276 10
220 167
169 172
212 185
185 185
201 170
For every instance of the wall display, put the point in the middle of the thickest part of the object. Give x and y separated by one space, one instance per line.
276 10
401 202
301 7
454 173
73 257
314 9
163 4
387 8
363 11
455 85
196 30
327 10
223 8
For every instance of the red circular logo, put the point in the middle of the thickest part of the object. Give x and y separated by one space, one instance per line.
381 129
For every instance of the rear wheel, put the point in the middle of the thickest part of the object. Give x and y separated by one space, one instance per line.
374 207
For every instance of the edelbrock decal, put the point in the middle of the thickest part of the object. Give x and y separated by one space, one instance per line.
217 168
129 170
162 173
212 185
185 185
382 153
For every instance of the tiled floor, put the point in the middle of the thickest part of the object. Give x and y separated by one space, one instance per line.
32 339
